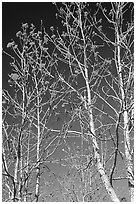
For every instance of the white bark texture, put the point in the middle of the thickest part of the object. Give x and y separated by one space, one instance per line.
100 167
38 146
129 164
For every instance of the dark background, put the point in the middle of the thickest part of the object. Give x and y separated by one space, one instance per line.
16 13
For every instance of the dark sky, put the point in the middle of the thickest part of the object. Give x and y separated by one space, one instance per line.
16 13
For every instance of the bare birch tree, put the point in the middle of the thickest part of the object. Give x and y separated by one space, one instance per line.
76 49
120 18
26 111
105 80
68 74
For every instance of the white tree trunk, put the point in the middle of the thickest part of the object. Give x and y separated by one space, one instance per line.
129 164
100 167
38 146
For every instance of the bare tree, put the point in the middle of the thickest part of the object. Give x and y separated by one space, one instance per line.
68 75
108 80
120 18
76 49
29 105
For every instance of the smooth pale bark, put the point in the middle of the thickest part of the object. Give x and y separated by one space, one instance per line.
15 178
129 164
27 165
100 167
38 146
18 174
20 146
